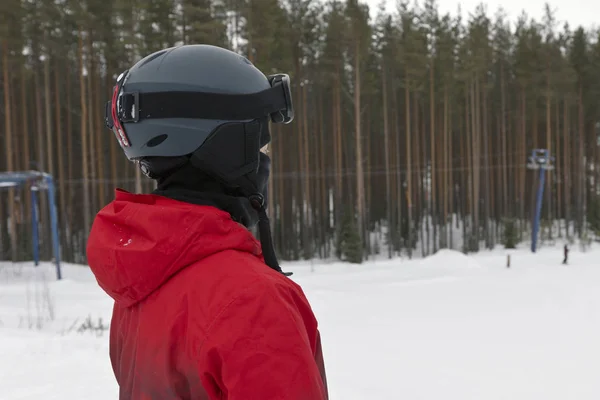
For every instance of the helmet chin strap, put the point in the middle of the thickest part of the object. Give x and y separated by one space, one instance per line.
256 184
243 168
264 229
259 182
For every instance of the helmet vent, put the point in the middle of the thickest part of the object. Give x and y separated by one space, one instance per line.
156 140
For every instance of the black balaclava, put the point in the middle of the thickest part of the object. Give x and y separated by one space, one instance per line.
191 185
184 182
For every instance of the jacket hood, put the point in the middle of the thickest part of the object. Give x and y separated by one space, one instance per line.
138 242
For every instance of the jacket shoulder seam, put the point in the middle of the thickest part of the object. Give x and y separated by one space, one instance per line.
212 323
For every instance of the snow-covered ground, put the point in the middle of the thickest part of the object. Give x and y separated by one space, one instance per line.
450 327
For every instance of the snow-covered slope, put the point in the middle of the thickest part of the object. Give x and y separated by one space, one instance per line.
450 327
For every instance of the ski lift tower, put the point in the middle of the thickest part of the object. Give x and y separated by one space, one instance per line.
540 160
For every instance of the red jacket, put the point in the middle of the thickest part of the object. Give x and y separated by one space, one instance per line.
197 314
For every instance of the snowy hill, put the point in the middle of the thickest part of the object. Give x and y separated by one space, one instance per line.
450 327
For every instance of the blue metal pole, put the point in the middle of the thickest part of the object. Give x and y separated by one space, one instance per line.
54 224
34 226
538 210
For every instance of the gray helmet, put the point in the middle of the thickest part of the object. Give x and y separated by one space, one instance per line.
206 106
171 102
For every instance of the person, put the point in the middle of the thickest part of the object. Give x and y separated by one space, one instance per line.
566 254
202 310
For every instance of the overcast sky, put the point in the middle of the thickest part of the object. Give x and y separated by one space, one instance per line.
575 12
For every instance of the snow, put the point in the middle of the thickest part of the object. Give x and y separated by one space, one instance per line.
450 326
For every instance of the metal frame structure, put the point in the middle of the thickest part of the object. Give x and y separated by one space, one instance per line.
541 160
36 181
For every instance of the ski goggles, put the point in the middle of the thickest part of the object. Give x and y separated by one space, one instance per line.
132 107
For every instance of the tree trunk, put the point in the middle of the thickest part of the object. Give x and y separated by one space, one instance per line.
360 190
84 141
60 134
386 143
408 167
432 138
49 140
308 215
8 142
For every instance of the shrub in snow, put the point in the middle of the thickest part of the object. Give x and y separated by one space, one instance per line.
40 304
585 241
349 245
89 325
510 236
593 215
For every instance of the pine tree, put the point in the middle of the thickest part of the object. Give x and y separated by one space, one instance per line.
203 22
593 215
349 244
510 234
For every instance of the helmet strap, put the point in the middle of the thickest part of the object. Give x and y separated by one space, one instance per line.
264 230
232 155
159 167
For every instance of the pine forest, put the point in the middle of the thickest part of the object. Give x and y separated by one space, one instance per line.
412 133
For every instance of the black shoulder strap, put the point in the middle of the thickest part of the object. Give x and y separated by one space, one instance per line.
202 105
